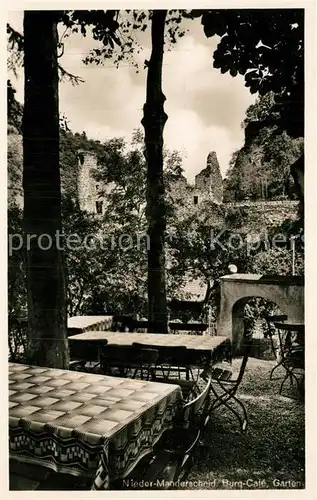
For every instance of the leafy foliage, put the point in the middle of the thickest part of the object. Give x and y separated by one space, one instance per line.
15 164
14 108
17 283
266 46
125 45
278 262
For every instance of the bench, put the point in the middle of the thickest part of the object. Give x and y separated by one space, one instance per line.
198 328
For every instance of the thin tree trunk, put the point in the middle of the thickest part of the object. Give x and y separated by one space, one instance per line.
154 119
47 344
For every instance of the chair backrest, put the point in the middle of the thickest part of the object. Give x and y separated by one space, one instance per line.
88 350
175 355
160 351
194 407
197 357
246 348
146 356
172 355
127 355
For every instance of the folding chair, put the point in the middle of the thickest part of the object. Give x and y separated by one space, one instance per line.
85 354
224 387
171 363
271 320
172 359
172 457
24 477
292 353
127 360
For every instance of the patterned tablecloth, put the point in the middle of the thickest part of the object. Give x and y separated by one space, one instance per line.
89 323
86 424
206 348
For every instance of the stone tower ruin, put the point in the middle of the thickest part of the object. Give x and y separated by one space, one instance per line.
208 183
87 189
92 194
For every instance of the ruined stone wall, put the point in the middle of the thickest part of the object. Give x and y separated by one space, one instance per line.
91 192
208 187
86 184
258 215
209 183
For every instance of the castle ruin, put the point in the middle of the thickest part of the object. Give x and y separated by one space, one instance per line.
92 194
208 186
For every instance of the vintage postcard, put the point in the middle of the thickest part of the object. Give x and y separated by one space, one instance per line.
156 256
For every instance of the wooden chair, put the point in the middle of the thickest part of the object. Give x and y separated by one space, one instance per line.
292 354
171 360
85 354
224 387
271 332
172 457
127 360
26 477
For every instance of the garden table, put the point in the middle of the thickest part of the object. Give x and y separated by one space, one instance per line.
295 332
204 345
86 424
77 324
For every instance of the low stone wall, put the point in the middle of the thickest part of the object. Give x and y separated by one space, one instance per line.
262 214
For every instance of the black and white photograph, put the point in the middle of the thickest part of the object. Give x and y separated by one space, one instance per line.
155 230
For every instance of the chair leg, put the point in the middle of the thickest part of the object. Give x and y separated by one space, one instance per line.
223 399
283 382
244 421
185 469
273 370
290 375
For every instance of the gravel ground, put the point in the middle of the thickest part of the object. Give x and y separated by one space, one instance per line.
269 454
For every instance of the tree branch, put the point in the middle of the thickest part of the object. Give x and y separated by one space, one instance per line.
16 47
74 79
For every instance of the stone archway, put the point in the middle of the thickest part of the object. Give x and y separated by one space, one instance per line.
287 292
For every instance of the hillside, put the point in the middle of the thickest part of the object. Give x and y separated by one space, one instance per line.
261 169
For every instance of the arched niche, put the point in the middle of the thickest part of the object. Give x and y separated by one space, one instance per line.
287 292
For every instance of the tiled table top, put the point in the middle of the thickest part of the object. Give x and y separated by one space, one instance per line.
83 423
198 342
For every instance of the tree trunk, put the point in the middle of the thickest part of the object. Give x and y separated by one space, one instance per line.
48 345
154 119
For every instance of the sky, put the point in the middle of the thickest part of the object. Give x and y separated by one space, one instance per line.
205 108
